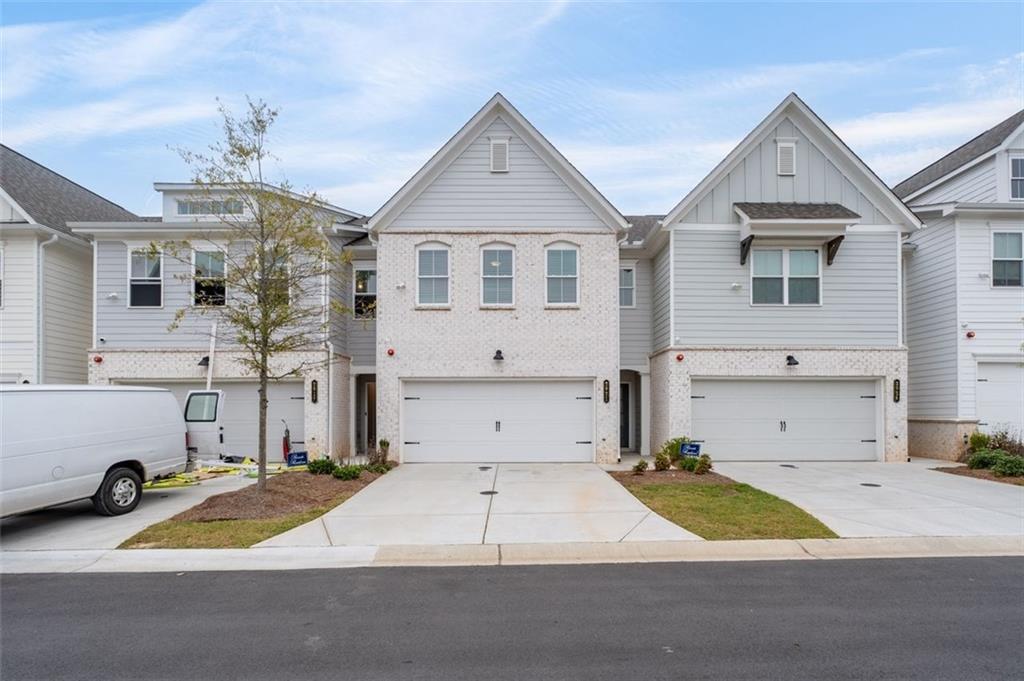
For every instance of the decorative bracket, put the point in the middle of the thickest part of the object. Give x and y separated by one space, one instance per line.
745 249
832 247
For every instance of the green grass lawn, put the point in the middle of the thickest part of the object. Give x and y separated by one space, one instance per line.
216 534
729 511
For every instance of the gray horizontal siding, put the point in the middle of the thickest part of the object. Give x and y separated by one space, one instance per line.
859 295
635 322
661 299
755 178
975 185
931 330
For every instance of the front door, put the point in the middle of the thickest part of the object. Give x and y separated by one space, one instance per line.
624 416
371 415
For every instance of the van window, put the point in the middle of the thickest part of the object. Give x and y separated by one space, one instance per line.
201 407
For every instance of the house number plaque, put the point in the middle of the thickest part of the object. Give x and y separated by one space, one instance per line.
607 391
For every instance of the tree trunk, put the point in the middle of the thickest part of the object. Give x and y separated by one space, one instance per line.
261 480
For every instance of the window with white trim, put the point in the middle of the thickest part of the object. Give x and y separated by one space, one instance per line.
497 276
364 301
145 279
432 275
1007 258
785 276
627 287
210 207
209 278
1017 178
562 274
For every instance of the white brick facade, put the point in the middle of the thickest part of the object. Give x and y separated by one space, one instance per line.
460 342
671 380
183 365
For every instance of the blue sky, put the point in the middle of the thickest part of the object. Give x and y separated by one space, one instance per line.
644 98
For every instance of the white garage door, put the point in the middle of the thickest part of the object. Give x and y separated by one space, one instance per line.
786 420
498 421
1000 397
241 414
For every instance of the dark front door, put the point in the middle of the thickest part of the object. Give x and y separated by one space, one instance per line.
624 415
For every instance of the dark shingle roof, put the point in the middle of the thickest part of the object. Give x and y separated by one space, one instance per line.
642 226
979 146
52 199
796 211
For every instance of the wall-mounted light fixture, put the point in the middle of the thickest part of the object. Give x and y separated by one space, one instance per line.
791 361
205 361
498 357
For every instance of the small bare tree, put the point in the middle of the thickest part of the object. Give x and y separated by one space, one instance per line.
266 257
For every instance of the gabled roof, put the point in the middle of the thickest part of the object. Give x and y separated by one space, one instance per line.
50 199
641 226
498 106
186 186
793 104
796 211
980 146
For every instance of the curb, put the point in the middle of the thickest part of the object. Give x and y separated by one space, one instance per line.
334 557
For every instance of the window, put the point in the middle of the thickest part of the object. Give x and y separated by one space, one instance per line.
1017 178
499 155
364 302
497 276
785 276
432 275
145 279
208 278
1007 258
201 407
562 275
210 207
627 287
278 289
786 157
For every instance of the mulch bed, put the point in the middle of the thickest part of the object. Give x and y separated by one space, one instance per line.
670 477
982 474
286 493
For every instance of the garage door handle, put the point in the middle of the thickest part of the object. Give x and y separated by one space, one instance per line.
410 443
497 426
782 426
584 442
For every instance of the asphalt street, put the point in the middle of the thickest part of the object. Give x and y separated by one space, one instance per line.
859 619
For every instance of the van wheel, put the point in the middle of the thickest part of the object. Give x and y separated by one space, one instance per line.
120 492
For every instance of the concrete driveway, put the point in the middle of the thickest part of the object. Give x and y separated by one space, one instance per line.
890 499
78 526
486 504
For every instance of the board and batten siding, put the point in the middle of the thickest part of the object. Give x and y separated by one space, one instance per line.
635 322
974 185
18 308
995 314
661 299
931 326
67 313
755 178
859 294
362 333
467 194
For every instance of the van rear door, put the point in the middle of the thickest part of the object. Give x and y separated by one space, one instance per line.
203 410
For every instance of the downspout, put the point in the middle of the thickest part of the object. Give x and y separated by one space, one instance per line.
40 344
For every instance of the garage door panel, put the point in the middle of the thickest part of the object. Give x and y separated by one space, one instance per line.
773 420
1000 397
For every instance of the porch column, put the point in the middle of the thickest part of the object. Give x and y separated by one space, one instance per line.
644 446
352 416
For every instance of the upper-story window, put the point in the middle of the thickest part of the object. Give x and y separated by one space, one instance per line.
1007 258
627 287
432 275
1017 178
145 279
786 276
497 276
364 301
210 207
562 273
209 278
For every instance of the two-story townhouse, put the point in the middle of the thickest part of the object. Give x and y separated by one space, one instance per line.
776 321
964 291
45 271
138 294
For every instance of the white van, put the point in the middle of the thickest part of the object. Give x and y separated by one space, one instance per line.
61 443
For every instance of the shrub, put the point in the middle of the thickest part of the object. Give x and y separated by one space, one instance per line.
687 463
703 464
380 468
348 472
671 447
978 441
986 458
321 466
640 466
1007 441
1008 466
662 461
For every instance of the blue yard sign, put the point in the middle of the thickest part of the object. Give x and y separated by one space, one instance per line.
689 449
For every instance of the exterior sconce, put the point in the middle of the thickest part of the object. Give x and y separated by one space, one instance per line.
791 361
498 357
205 361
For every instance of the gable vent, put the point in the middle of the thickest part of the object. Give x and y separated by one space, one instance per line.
786 153
499 155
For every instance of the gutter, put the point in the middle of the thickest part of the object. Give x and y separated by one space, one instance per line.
40 338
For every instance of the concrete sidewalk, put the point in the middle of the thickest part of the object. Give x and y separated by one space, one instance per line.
310 558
